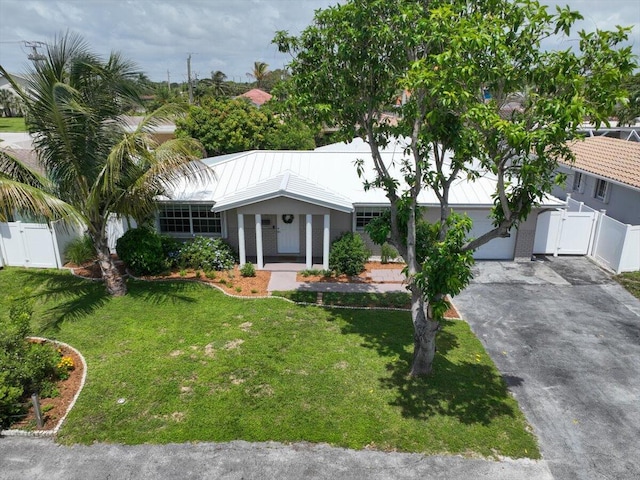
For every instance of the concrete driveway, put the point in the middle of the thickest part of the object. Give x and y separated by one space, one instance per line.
567 339
564 335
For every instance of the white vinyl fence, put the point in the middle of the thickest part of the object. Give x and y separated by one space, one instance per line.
581 230
24 244
38 245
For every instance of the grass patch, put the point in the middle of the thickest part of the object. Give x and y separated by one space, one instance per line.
12 124
630 281
195 365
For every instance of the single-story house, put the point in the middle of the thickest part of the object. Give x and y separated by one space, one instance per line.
292 204
605 176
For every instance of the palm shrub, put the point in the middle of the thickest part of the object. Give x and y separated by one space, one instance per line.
93 165
348 254
141 249
207 254
248 270
80 250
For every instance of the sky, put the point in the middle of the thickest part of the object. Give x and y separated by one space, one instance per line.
225 35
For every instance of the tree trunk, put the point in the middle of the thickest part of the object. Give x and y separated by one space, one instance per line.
113 281
424 336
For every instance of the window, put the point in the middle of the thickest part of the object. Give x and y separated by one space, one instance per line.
602 189
578 182
365 214
189 219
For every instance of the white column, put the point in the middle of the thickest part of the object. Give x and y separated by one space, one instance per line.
260 260
309 241
325 242
241 243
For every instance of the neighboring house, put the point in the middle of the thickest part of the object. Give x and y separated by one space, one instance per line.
19 79
160 133
605 176
257 97
292 204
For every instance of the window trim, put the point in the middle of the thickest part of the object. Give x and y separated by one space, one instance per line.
607 188
578 182
366 209
192 233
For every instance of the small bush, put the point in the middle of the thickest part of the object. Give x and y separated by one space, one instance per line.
387 253
248 270
80 250
25 367
141 249
206 254
170 250
348 254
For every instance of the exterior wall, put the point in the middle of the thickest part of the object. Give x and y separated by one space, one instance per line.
622 203
271 211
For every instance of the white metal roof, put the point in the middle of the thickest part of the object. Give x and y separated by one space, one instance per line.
326 176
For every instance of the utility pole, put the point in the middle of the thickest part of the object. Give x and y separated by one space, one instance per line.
168 81
189 80
35 56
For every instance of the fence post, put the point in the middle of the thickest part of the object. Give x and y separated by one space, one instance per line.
35 399
596 240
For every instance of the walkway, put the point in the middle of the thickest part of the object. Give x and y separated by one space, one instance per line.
283 278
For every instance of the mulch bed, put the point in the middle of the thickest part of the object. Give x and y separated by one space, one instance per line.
364 277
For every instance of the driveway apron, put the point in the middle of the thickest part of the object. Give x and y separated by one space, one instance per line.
567 339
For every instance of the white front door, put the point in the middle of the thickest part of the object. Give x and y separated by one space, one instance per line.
289 234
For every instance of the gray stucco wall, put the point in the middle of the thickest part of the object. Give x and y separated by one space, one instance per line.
623 203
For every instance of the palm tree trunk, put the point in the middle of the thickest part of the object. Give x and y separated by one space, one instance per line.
114 282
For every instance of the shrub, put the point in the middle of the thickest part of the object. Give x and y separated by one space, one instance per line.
206 254
170 250
141 249
387 253
80 250
348 254
25 367
248 270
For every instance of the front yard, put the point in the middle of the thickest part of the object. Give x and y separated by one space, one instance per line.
179 362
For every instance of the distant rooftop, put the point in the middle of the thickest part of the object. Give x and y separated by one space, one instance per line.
258 97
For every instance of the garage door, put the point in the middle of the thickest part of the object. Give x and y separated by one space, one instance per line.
496 249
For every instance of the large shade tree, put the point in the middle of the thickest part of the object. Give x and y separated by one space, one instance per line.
93 165
457 63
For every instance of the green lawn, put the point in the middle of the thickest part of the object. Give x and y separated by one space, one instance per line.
377 300
630 281
13 124
195 365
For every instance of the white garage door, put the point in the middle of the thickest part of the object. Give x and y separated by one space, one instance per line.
496 249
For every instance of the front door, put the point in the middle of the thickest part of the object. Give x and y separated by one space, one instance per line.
288 233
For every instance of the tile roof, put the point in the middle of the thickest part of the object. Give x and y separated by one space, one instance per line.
609 158
257 96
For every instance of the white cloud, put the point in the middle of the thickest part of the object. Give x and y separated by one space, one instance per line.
227 35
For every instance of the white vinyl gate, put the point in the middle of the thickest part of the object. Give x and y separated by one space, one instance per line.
565 233
29 245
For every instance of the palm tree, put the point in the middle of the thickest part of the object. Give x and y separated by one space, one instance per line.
260 72
219 88
93 166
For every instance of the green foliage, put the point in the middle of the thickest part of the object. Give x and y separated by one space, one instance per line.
348 254
387 253
248 270
141 249
228 126
207 254
10 398
25 367
80 250
170 250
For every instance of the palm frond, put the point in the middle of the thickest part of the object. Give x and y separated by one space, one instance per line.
14 169
27 199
